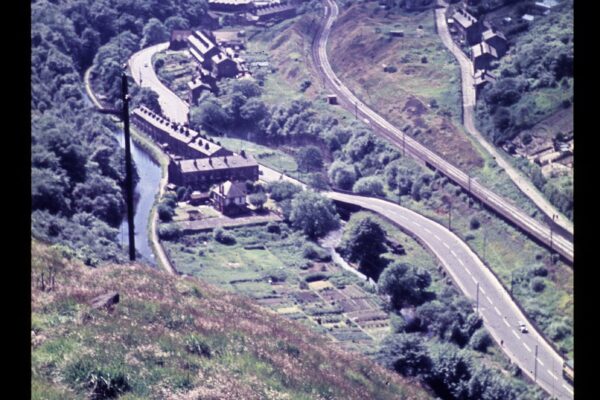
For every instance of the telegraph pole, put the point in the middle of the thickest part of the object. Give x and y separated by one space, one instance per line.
128 167
535 364
450 216
477 307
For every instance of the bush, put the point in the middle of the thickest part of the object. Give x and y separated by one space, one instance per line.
314 252
558 330
224 237
537 284
480 340
390 69
317 276
370 186
197 346
273 227
165 213
169 232
474 223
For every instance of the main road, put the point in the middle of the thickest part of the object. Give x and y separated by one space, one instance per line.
499 313
540 231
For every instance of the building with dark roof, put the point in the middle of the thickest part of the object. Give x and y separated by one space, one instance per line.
482 54
224 66
497 40
178 40
230 5
481 79
202 47
467 26
175 138
272 12
201 173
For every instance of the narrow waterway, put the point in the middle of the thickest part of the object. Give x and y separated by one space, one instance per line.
145 191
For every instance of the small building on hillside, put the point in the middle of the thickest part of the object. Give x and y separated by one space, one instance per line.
201 173
528 17
497 40
224 66
229 197
203 48
481 79
468 27
195 89
482 54
178 40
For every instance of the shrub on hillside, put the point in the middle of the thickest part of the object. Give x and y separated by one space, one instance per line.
224 237
169 232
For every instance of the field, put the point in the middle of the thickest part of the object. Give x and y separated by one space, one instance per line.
175 69
171 337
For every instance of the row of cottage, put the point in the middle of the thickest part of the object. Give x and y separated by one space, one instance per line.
487 44
194 159
254 11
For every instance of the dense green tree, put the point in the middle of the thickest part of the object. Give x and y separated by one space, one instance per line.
154 32
314 214
342 175
363 242
405 284
176 22
406 354
309 158
258 200
282 190
369 185
450 373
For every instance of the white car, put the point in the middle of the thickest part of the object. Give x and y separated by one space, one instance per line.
522 327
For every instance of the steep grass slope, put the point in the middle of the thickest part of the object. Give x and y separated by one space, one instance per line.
179 338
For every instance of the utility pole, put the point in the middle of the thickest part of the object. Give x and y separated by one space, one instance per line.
356 110
477 307
535 364
484 240
450 216
128 167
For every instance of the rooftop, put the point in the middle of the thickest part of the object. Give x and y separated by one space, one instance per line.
175 130
201 42
483 48
231 189
273 9
488 34
216 163
463 18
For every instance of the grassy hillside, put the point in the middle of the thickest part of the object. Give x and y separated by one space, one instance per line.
179 338
411 80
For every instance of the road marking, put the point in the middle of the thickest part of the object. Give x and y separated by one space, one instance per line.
461 262
515 333
474 280
490 300
568 390
468 272
527 347
552 375
505 323
497 311
453 253
483 291
446 245
426 230
541 363
436 236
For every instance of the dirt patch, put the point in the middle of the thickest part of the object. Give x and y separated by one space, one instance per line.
414 108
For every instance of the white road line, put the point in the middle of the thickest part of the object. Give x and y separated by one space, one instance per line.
461 262
541 363
490 300
436 236
505 323
446 245
474 280
568 390
469 272
527 347
552 375
483 291
515 333
497 311
417 224
453 253
426 230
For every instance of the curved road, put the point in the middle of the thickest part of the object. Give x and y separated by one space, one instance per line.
348 100
468 90
499 313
